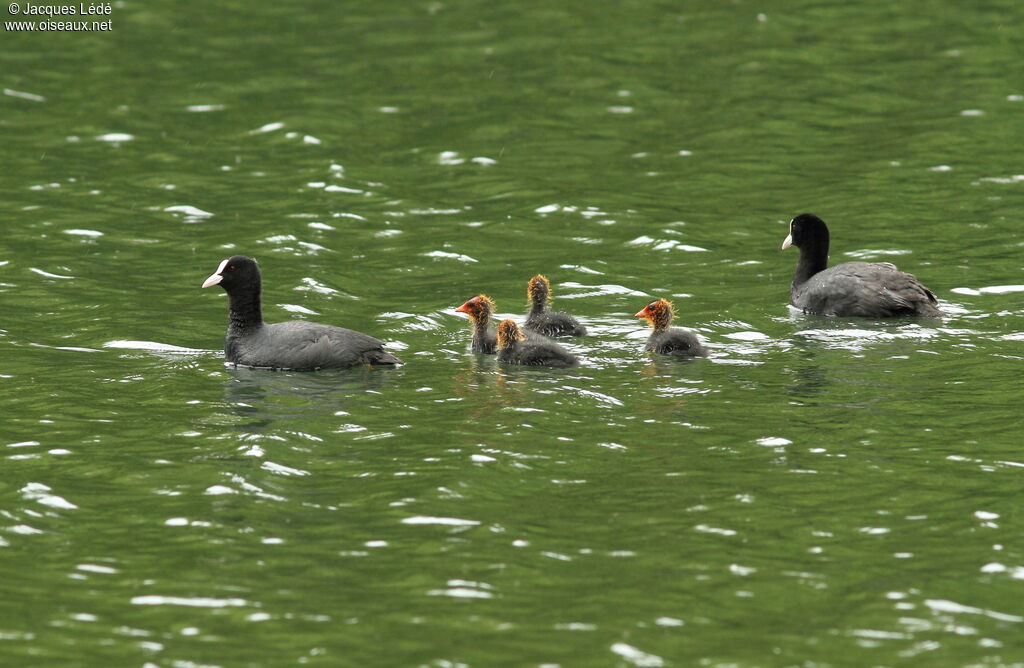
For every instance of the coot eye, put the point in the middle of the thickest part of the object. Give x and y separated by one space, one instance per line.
231 268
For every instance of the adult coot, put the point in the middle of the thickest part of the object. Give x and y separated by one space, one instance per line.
865 289
666 340
296 344
514 348
543 321
479 309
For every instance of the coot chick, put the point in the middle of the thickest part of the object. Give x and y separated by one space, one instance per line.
543 321
298 345
480 309
669 340
862 289
514 348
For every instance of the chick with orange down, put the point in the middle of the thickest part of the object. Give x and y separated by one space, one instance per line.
543 321
669 340
515 348
479 310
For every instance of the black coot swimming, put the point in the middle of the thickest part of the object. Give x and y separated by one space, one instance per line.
863 289
543 321
297 344
515 348
479 309
666 340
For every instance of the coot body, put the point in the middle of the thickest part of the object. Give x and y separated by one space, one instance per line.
515 348
669 340
851 289
543 321
297 345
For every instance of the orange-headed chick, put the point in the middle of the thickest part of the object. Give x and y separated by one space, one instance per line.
669 340
515 348
543 321
479 310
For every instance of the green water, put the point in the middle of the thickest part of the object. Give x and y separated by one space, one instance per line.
816 493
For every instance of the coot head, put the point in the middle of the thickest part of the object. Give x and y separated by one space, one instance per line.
509 333
538 289
236 272
477 308
659 313
807 231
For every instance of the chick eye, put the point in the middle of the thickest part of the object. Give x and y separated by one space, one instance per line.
652 304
